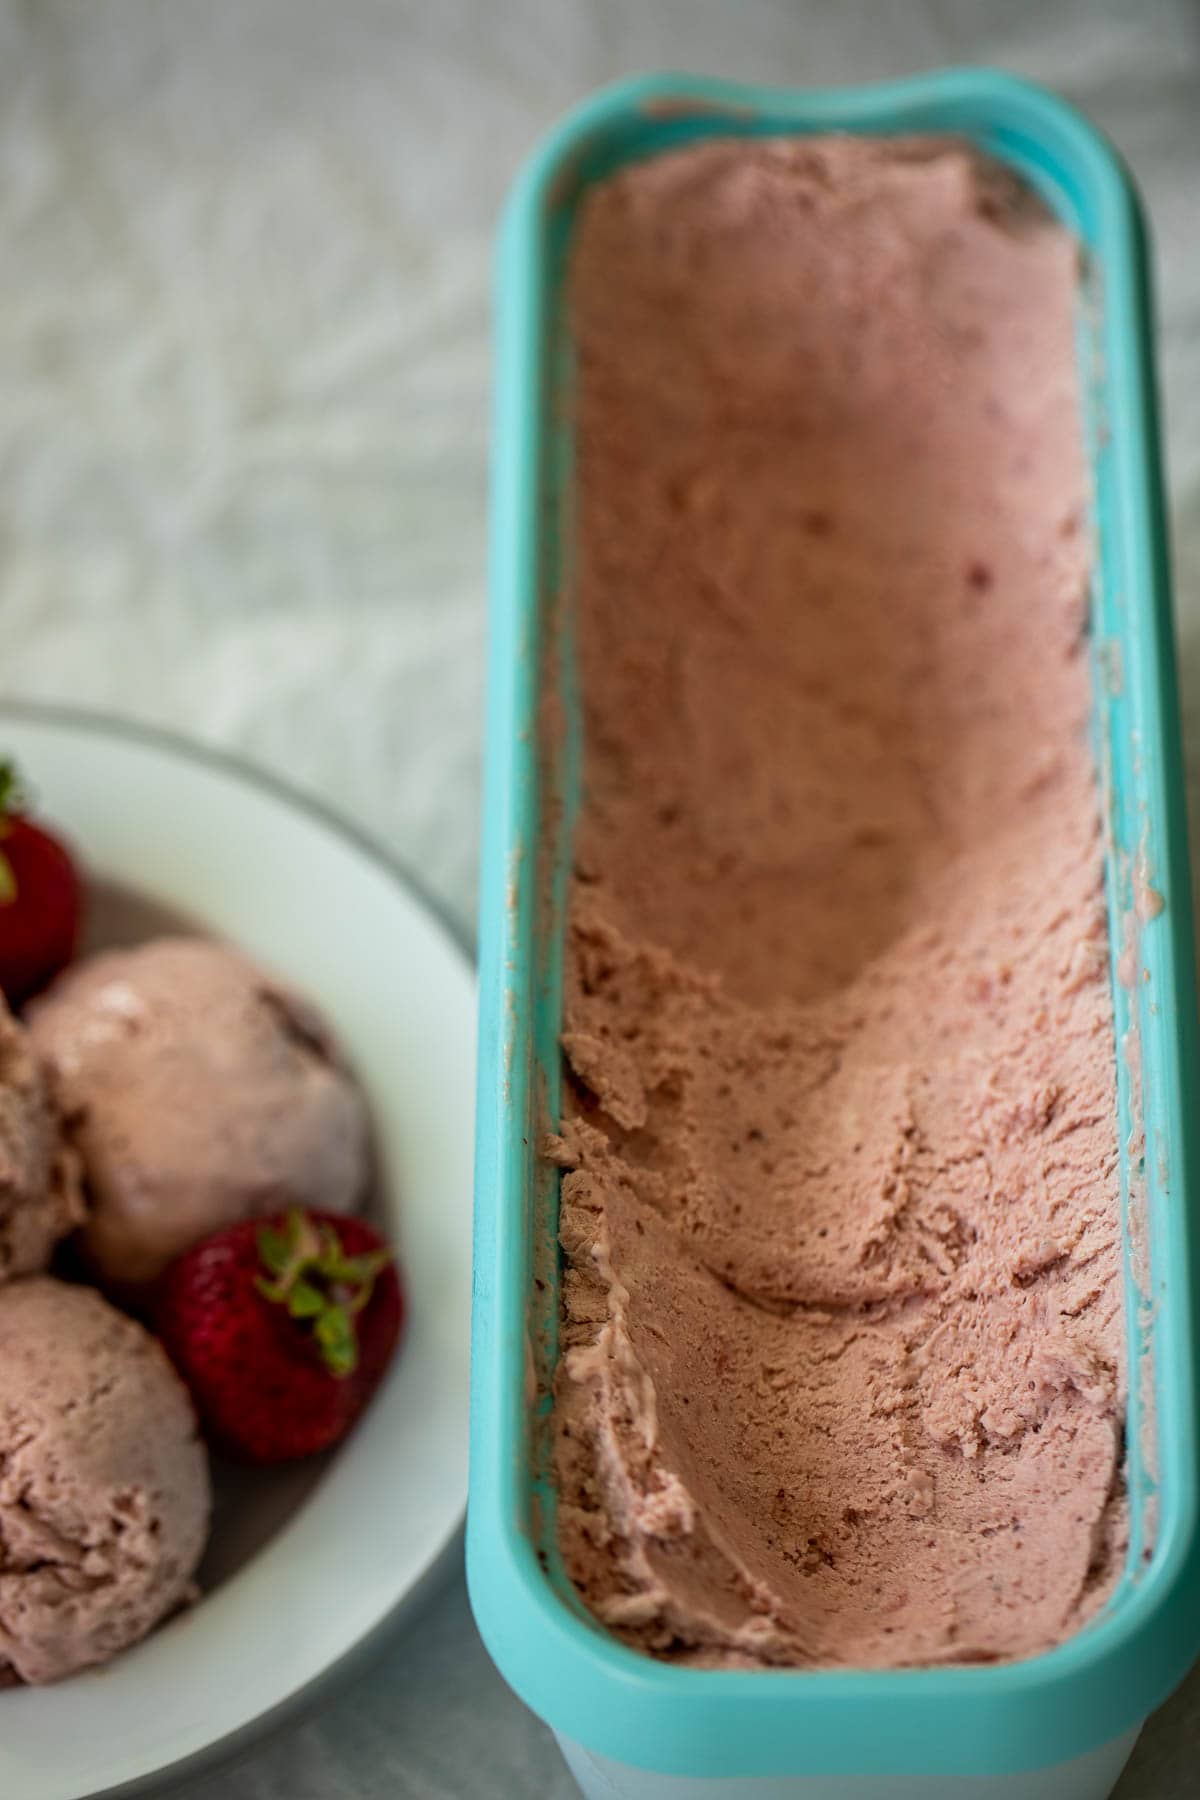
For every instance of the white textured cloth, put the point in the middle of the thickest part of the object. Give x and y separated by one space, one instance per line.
243 442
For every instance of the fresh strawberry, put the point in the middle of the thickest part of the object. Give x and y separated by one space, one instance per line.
39 898
282 1328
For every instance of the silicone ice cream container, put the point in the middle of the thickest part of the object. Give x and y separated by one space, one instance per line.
1060 1723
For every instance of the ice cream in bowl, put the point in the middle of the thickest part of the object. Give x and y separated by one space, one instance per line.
234 1252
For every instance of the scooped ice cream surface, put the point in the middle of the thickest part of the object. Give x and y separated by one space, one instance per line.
104 1482
198 1091
843 1359
40 1195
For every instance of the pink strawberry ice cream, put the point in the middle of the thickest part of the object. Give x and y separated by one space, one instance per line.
104 1484
40 1197
197 1091
842 1366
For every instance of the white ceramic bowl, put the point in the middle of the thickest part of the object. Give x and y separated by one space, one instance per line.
306 1563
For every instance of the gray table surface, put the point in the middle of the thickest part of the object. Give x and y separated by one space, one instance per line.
244 361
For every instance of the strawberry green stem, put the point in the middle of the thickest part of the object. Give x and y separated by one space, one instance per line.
12 800
12 796
323 1289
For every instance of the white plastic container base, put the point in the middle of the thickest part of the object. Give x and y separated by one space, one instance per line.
1090 1777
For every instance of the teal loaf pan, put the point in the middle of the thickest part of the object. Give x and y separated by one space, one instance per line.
1060 1723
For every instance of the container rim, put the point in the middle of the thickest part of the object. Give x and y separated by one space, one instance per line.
585 1682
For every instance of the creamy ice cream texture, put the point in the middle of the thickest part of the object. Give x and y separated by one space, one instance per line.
104 1483
197 1091
842 1365
40 1195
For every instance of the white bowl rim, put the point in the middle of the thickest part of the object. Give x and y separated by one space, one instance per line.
251 774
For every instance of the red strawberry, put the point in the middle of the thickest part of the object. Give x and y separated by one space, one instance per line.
282 1328
39 898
